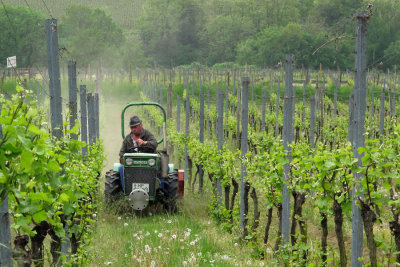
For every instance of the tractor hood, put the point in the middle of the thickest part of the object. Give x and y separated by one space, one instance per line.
146 160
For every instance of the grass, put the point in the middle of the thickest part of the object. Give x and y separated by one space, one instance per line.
188 238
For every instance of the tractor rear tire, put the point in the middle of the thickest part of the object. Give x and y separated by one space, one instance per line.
113 188
171 193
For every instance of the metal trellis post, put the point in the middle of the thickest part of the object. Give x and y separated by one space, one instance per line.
358 140
245 114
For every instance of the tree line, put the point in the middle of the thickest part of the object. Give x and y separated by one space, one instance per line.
170 33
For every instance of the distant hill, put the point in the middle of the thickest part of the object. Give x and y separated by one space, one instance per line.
123 12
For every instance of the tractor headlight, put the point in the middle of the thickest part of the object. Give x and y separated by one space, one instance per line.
129 161
152 162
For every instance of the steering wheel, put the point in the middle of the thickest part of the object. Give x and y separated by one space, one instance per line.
141 149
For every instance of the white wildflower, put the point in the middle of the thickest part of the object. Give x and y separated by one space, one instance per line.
236 244
108 263
173 236
192 243
182 247
160 235
225 257
147 233
199 254
147 248
94 215
249 262
126 224
169 221
184 263
152 264
119 218
262 263
155 231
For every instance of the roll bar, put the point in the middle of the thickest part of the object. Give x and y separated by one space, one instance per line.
164 138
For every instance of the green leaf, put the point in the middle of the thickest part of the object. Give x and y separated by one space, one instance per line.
387 185
19 88
329 164
347 207
26 160
64 197
3 178
40 216
53 165
28 231
40 196
20 220
68 209
31 184
34 129
61 159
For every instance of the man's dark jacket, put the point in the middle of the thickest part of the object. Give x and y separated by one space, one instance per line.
128 142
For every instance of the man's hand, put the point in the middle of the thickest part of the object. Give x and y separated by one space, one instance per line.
140 142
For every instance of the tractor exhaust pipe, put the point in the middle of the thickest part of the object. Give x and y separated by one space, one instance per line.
164 154
164 164
165 136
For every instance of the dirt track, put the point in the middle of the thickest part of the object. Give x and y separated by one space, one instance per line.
110 129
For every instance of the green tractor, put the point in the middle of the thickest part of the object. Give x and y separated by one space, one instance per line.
144 178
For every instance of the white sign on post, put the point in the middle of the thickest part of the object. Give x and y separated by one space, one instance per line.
12 62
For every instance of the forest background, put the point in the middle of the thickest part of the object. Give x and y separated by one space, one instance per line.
168 33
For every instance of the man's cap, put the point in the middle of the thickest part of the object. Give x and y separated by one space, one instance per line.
134 121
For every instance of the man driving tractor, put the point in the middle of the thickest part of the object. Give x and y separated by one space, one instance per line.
138 139
144 177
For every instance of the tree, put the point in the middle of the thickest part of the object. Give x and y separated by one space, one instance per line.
392 54
382 32
222 34
22 34
336 14
170 30
89 34
310 50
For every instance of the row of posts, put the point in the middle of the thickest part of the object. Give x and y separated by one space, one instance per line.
356 125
